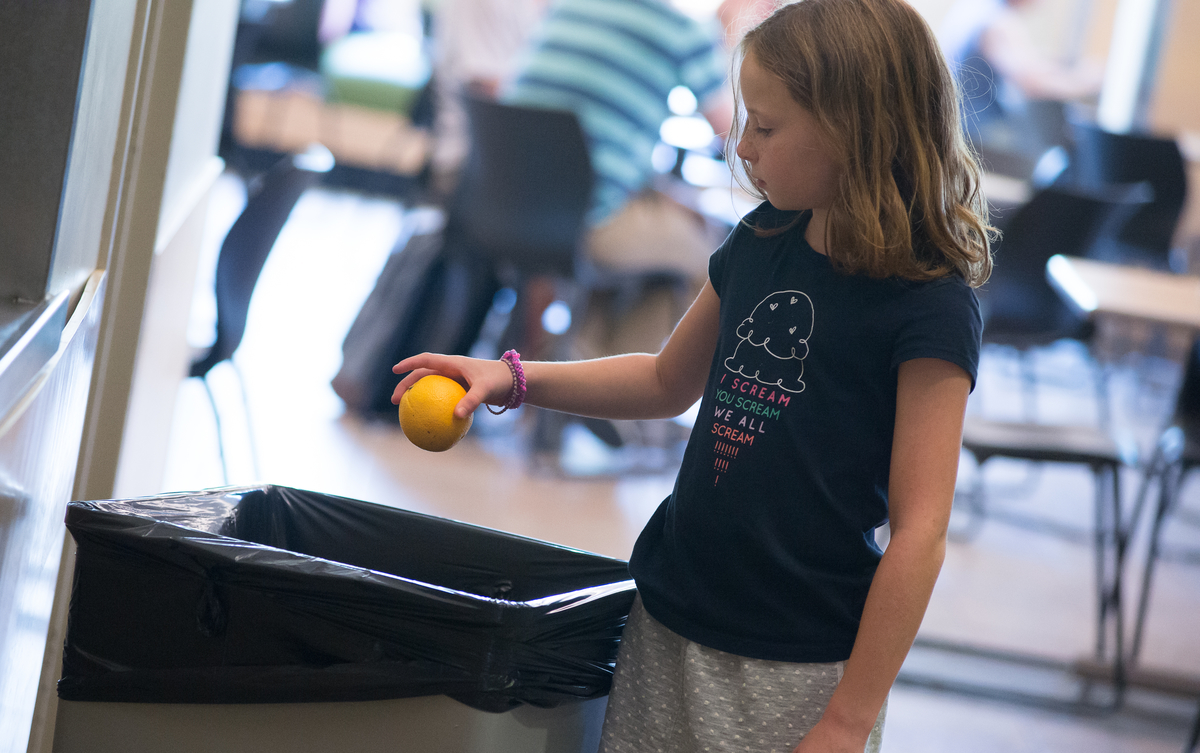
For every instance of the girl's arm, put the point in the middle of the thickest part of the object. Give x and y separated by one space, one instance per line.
637 385
931 400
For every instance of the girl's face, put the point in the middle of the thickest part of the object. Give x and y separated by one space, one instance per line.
790 159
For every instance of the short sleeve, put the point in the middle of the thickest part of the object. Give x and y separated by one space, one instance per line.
719 260
764 215
941 320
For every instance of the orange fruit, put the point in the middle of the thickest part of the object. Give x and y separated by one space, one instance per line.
427 413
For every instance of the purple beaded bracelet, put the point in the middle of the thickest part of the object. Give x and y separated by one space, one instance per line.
516 395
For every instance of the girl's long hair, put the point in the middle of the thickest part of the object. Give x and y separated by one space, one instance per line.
908 203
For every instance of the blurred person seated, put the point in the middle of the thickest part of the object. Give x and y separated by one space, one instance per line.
477 46
613 64
1003 75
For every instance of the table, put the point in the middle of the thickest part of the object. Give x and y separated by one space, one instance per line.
1096 287
1127 298
1132 306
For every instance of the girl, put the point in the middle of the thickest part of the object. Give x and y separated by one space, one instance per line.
833 349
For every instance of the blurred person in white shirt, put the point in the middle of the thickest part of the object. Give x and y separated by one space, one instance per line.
1001 69
478 44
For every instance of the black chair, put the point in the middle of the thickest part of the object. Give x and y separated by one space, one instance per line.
1019 306
1080 445
244 252
524 195
1020 309
1051 122
522 203
1101 158
525 189
1044 149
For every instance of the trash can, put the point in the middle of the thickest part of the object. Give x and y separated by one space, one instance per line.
235 612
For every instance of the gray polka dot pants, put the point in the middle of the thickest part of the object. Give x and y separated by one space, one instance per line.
670 695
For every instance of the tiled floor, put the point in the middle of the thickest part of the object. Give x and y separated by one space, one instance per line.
1007 587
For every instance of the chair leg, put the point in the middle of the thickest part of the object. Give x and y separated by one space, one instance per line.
975 508
1110 542
1154 470
1120 541
220 435
249 420
1099 552
1029 384
1168 485
546 438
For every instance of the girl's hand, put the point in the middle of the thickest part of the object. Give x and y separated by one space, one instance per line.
486 381
824 738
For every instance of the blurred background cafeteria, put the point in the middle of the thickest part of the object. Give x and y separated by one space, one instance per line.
269 202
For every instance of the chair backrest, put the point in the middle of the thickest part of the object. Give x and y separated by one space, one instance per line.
526 187
1103 158
245 248
1019 306
286 31
1050 122
1041 152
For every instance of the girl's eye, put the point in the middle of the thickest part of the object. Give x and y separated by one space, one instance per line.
762 131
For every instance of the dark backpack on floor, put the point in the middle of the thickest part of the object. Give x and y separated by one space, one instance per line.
432 295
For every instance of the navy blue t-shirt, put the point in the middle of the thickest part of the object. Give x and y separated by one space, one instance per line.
766 546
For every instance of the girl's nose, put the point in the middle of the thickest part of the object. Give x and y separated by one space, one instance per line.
743 149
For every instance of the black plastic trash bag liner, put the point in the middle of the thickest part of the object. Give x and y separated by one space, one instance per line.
275 595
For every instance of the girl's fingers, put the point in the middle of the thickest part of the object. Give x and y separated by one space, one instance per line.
407 382
430 361
419 366
471 373
469 402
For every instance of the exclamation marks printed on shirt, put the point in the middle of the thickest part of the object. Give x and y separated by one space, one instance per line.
725 452
728 450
